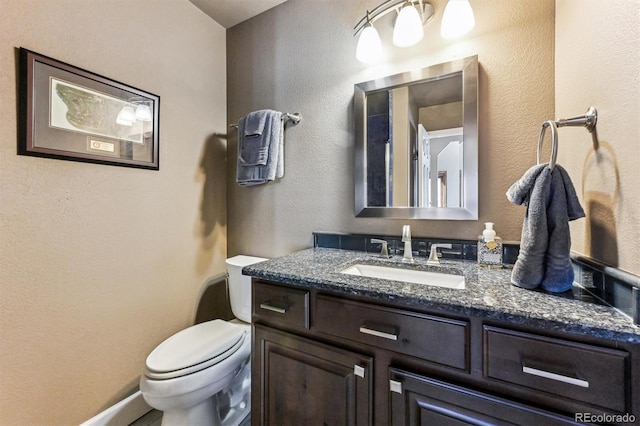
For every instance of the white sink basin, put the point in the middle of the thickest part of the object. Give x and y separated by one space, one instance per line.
436 279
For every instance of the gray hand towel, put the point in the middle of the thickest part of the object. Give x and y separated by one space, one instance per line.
255 121
545 244
255 173
254 141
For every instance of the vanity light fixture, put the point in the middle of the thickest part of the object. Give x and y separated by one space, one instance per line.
412 15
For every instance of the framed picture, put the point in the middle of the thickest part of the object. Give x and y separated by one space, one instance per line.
72 114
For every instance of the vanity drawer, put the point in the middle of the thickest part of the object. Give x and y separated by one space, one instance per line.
280 305
577 371
440 340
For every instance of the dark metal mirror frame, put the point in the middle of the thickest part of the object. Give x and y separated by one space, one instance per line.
469 210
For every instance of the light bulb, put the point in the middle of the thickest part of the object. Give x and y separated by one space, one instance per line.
408 28
143 112
123 122
126 116
369 45
457 20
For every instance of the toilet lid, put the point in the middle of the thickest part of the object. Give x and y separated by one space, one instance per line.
194 346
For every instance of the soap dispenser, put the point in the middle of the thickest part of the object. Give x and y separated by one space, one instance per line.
489 248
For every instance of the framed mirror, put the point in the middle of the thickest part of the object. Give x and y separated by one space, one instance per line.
417 143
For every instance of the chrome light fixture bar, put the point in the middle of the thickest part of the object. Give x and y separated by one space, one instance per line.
426 9
412 15
406 32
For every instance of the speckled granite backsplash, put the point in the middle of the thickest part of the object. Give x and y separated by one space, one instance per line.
604 284
460 249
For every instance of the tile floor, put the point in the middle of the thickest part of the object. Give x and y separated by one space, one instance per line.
154 418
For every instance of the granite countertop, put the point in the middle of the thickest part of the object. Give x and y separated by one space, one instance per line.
488 292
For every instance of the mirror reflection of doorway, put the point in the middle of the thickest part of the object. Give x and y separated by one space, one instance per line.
440 151
449 161
424 165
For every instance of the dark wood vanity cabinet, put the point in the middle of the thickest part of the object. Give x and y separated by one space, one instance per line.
302 382
325 359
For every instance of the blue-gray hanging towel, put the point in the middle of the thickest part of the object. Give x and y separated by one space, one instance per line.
551 201
260 147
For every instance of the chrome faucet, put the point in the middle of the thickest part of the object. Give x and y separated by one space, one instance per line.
406 239
384 251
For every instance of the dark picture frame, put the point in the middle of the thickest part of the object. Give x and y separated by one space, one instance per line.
69 113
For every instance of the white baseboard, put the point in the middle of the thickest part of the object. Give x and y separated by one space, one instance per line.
124 412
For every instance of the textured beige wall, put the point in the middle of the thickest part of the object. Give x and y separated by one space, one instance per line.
98 264
300 57
598 63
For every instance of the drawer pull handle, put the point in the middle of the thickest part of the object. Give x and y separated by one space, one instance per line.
272 308
377 333
395 386
555 376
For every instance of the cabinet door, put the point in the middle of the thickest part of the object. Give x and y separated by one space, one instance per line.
418 400
297 381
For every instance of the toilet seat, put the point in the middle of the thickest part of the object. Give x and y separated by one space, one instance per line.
194 349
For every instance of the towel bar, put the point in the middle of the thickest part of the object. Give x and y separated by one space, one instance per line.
287 116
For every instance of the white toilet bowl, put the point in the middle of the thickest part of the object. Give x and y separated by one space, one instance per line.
184 390
202 374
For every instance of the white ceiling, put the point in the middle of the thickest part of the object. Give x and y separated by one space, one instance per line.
231 12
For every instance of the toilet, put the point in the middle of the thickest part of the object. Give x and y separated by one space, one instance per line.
202 375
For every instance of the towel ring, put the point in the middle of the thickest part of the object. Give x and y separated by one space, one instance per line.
554 142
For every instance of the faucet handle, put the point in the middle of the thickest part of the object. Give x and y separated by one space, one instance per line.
434 257
384 252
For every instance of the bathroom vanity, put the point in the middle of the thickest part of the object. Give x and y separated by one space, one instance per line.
334 348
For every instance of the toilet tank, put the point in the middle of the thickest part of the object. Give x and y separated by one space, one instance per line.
240 285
